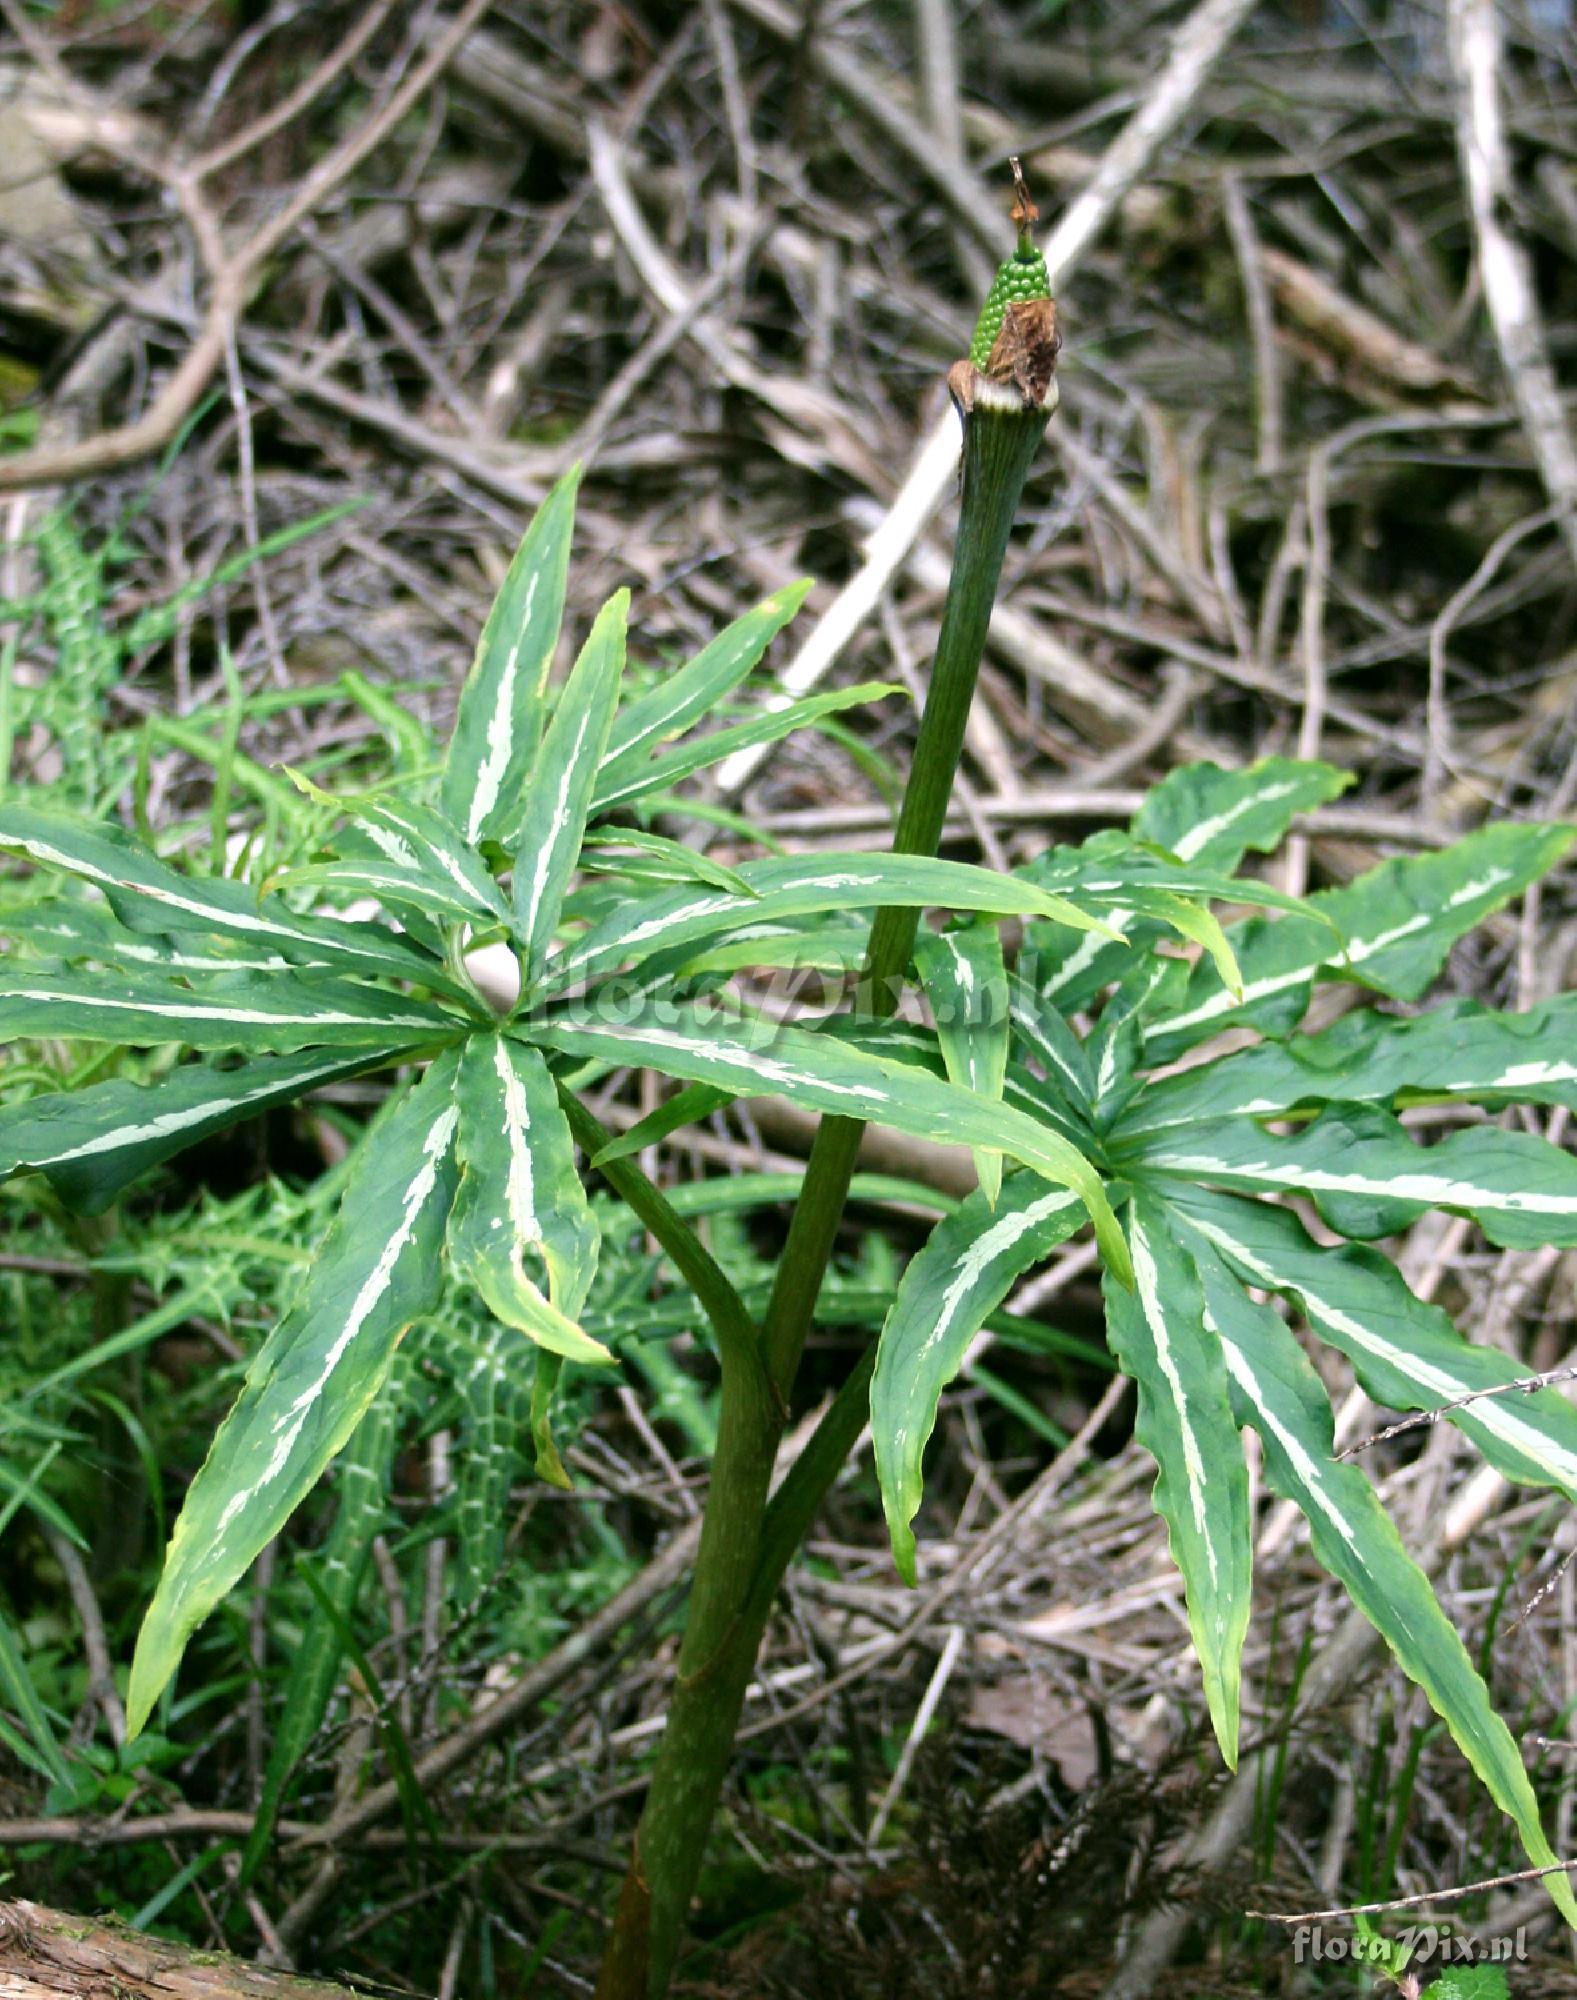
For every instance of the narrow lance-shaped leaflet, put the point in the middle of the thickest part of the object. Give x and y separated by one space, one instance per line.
1203 817
634 778
1408 1354
558 793
147 895
1159 1334
798 885
262 1015
1356 1541
93 1143
824 1074
1458 1050
500 715
379 1268
962 1274
966 982
694 690
362 1482
1390 930
520 1197
1368 1178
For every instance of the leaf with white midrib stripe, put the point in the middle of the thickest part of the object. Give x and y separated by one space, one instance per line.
1044 1034
1457 1050
1207 818
1200 812
822 1074
521 1197
1159 1335
1355 1540
1369 1179
263 1016
353 878
421 859
694 690
957 1280
636 851
73 930
379 1268
362 1495
149 896
787 886
93 1143
499 717
966 982
558 792
1409 1355
1390 929
633 779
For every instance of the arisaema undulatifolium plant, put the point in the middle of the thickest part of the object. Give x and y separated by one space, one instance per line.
1202 1152
1071 1002
535 834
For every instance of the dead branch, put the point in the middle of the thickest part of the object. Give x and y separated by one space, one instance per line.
1476 56
231 273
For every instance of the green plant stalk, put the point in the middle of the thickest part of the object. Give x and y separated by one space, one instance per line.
122 1491
746 1543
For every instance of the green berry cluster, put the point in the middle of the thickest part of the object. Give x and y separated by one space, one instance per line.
1022 276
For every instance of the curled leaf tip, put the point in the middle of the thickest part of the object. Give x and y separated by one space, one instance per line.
1024 212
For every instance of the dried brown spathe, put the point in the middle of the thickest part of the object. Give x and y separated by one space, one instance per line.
1022 363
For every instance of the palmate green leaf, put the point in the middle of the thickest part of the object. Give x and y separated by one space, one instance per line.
1369 1179
558 792
1398 922
823 1074
499 719
967 1267
261 1016
695 689
521 1197
966 982
787 886
1458 1050
148 896
92 1144
361 1484
634 779
1408 1354
917 1047
1355 1540
379 1268
1185 1422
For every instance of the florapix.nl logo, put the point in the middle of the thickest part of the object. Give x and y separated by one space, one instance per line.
1427 1961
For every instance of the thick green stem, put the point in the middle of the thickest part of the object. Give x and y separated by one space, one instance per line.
747 1542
